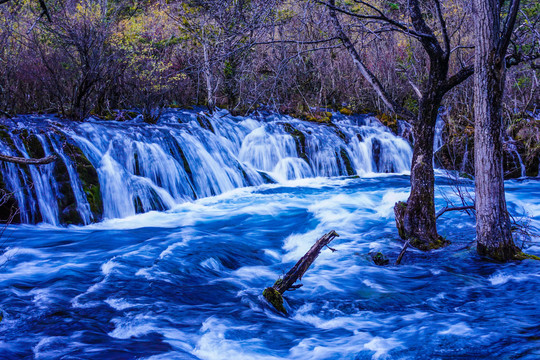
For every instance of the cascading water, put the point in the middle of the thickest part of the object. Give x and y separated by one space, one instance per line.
438 141
187 283
514 158
114 170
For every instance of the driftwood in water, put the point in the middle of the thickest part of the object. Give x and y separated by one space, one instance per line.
402 252
25 161
274 294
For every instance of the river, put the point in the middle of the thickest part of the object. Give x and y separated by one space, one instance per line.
186 282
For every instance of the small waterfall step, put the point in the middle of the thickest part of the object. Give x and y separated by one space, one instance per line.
109 169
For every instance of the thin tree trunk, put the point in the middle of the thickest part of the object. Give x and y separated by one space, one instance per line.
208 76
493 234
416 219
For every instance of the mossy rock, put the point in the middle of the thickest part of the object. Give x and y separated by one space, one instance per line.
388 121
205 123
341 134
275 298
346 111
136 165
300 140
380 259
376 153
185 162
9 207
267 178
320 117
88 177
346 161
526 131
5 137
33 146
105 115
137 203
67 203
127 115
244 174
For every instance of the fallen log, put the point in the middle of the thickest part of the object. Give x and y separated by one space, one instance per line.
25 161
274 294
402 252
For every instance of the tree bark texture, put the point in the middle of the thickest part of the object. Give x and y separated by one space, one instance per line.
493 234
416 219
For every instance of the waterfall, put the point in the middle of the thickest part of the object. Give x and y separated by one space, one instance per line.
109 169
438 141
515 160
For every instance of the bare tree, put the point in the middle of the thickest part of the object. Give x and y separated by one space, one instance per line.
494 237
416 218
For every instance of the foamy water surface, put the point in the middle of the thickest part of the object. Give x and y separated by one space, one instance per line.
187 283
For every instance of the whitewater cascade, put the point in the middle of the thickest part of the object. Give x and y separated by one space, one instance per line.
109 169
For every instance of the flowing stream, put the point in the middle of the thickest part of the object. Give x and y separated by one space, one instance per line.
184 280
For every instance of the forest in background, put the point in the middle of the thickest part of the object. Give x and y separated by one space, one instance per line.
84 58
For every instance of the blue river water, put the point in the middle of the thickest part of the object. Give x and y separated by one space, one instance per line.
187 283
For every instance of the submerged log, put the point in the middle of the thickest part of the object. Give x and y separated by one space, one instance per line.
274 294
25 161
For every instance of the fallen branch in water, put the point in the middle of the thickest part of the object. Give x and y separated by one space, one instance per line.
458 208
274 294
24 161
402 252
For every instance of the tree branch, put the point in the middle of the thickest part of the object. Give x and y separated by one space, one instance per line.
406 29
402 252
366 73
458 78
45 10
508 27
430 43
25 161
518 58
442 23
458 208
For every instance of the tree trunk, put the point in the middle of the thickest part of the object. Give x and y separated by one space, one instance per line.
208 76
494 238
416 218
